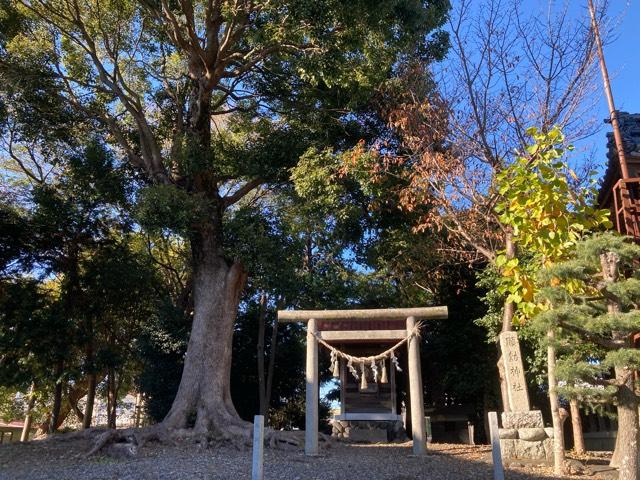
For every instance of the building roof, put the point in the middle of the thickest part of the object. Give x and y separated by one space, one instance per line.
630 130
12 424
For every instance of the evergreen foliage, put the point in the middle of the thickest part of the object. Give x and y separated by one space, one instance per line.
594 339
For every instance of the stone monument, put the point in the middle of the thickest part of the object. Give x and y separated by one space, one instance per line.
514 372
523 434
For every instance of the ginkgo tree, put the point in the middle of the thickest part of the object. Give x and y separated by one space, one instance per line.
547 212
548 215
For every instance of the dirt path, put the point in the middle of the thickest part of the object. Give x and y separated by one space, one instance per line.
58 460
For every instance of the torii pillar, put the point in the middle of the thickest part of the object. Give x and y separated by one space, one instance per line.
408 315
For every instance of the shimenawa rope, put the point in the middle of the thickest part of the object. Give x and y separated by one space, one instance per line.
371 360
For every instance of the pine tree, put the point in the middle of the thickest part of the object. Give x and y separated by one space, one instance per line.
594 298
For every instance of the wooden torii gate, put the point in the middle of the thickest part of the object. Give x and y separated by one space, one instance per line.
316 321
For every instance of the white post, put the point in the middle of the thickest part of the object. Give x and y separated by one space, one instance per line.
311 415
498 470
257 471
416 393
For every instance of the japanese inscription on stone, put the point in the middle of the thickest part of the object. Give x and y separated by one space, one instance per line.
514 372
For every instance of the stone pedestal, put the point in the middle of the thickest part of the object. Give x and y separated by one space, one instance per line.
524 436
368 431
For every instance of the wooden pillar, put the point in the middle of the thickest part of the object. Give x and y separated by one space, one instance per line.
415 392
311 408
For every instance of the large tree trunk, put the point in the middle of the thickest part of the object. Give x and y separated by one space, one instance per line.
204 394
628 431
576 426
558 434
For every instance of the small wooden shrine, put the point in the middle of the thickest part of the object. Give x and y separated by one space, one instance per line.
364 346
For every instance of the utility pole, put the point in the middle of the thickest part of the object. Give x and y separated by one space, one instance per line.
607 90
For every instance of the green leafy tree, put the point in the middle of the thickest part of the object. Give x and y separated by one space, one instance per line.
68 254
209 100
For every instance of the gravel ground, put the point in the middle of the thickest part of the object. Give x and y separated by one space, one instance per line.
39 460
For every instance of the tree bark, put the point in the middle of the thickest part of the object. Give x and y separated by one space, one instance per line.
272 361
204 394
558 435
625 455
628 431
111 398
91 395
76 409
576 426
262 389
57 397
28 417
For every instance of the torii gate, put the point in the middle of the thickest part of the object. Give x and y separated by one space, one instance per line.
323 322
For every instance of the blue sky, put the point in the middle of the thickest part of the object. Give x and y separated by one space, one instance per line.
623 61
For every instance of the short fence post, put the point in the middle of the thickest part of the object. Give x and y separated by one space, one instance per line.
427 424
257 470
471 428
498 469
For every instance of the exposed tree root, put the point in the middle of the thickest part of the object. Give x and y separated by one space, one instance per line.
128 442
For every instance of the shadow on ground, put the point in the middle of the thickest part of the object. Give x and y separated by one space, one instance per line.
60 460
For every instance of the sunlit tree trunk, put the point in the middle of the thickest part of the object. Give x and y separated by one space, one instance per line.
576 426
204 395
625 455
28 418
558 434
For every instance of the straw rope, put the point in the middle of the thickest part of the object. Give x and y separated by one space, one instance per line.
371 360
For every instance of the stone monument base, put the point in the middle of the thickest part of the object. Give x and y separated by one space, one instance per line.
368 431
524 436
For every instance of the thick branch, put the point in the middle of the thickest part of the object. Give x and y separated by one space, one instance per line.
242 191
